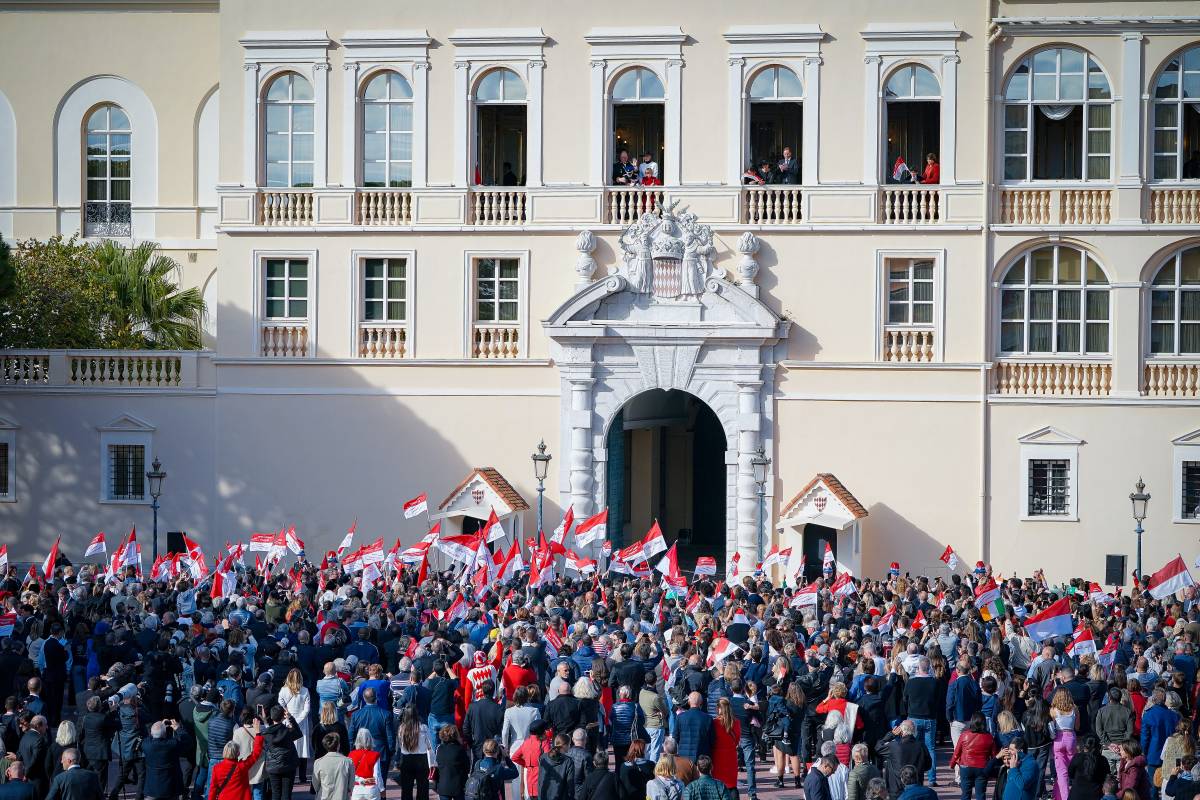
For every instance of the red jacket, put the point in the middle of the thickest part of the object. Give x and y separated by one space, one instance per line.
238 787
973 750
528 756
514 677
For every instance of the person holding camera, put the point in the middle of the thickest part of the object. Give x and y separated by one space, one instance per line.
162 753
129 743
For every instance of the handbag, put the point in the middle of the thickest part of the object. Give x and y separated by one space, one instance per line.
433 770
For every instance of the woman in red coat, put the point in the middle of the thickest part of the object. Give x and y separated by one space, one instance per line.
231 777
726 734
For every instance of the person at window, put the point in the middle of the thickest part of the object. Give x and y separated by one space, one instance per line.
933 170
788 168
648 165
767 172
1191 167
648 176
625 173
509 178
751 177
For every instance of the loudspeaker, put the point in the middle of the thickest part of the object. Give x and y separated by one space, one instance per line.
1114 570
175 542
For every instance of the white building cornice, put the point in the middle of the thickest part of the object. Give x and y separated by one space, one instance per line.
1098 26
650 41
385 45
285 46
500 44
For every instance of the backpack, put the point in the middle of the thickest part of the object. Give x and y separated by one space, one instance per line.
481 783
778 725
678 692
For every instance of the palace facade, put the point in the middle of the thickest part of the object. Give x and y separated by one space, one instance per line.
422 253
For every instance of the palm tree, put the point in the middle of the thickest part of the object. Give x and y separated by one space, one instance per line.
146 307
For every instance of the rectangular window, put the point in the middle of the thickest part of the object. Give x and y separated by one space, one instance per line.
1049 487
385 290
910 292
126 472
1191 490
497 290
286 288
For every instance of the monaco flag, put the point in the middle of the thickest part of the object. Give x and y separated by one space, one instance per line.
706 565
669 564
48 564
96 546
805 596
461 548
632 554
349 537
3 558
919 620
492 529
1170 579
720 649
418 505
843 586
432 535
414 554
1082 643
592 529
579 564
373 552
654 543
293 542
950 558
261 542
1054 621
560 533
884 623
828 560
733 566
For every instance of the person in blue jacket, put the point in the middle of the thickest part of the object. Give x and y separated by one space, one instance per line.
1158 723
1022 782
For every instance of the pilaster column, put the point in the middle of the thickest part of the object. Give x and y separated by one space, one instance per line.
582 484
810 158
1129 172
1125 343
349 122
533 109
749 425
949 143
250 124
870 165
320 75
597 163
735 136
673 125
462 108
420 153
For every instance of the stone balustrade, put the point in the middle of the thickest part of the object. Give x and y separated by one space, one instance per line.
625 204
496 341
1055 206
284 207
498 207
379 340
773 205
101 369
1171 379
910 205
284 339
1175 206
1061 378
385 207
908 345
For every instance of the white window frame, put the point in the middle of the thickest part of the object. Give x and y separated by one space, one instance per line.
1178 289
364 54
387 104
469 259
1030 106
882 257
890 45
1027 286
125 430
1184 448
291 104
480 50
1180 104
1049 443
8 436
357 296
108 132
266 55
259 260
613 50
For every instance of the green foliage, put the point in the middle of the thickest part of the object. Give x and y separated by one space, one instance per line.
67 294
8 278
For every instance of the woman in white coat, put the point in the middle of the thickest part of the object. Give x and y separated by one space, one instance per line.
295 698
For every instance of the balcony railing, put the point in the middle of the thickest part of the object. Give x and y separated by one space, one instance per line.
1061 378
908 344
382 340
773 205
100 369
385 207
281 207
910 205
1055 206
496 341
626 203
498 207
1171 378
1175 206
284 339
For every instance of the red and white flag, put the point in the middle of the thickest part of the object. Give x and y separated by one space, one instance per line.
513 563
884 623
828 560
606 549
8 623
804 596
293 542
418 505
224 582
950 558
196 563
669 564
461 548
96 546
349 537
693 602
373 552
560 533
579 564
720 649
1096 594
1082 642
433 534
706 565
3 558
732 572
592 529
799 574
492 529
1170 579
1106 656
48 564
553 641
776 556
843 586
631 554
918 620
653 543
261 542
414 554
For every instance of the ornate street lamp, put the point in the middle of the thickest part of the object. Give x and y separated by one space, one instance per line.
759 464
1139 499
541 466
155 476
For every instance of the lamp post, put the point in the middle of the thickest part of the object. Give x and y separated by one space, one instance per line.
155 476
759 464
1139 498
541 465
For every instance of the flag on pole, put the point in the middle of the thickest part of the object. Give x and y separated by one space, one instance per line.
579 564
1082 642
804 597
492 529
988 600
706 565
461 548
828 562
560 532
593 529
606 549
293 542
1054 621
48 564
96 546
800 570
1170 579
654 543
418 505
918 620
1096 594
1106 656
950 558
884 623
261 542
732 572
373 552
415 554
3 558
433 533
514 562
669 563
720 649
776 556
345 545
843 586
632 553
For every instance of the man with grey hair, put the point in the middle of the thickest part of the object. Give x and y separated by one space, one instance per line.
162 753
74 781
17 787
901 748
920 696
581 758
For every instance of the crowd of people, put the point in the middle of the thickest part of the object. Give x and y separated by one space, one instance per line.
608 687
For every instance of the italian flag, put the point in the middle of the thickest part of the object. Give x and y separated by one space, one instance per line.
988 600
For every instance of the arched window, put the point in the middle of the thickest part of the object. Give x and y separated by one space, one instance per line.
387 114
1057 118
289 132
912 103
500 129
1175 305
1054 299
777 121
638 117
109 151
1177 119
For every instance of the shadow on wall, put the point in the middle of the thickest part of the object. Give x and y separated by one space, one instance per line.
887 536
802 345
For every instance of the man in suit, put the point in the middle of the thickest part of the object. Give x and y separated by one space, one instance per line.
16 787
695 729
162 752
74 782
378 720
484 719
788 168
901 748
32 749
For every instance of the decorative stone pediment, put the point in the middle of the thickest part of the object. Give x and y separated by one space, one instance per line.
127 422
1049 435
483 490
824 501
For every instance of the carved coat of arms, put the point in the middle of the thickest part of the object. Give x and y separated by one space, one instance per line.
667 254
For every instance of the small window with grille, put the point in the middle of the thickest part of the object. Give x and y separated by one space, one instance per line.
126 472
1191 490
1049 487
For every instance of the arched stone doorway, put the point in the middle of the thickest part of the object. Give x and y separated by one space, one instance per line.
666 462
666 319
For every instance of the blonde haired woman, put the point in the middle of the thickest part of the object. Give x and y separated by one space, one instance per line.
295 699
664 785
1064 722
